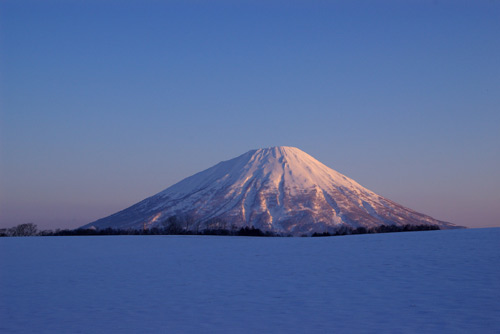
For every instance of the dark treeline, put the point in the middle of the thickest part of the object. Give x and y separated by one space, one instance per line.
30 229
346 230
244 231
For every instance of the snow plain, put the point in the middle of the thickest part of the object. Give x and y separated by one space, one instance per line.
418 282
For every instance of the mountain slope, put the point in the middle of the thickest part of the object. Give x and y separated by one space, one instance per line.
279 189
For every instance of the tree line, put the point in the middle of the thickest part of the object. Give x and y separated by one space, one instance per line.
176 226
346 230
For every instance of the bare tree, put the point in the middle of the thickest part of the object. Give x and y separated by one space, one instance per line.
172 225
189 221
23 230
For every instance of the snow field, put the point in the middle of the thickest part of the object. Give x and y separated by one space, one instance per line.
420 282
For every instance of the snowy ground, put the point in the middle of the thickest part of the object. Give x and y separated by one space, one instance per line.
420 282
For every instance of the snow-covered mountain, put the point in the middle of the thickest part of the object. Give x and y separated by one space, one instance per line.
279 189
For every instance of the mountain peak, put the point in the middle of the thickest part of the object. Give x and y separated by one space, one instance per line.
281 150
281 189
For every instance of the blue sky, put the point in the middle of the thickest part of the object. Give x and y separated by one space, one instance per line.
104 103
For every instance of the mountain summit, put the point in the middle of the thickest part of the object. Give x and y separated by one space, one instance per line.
278 189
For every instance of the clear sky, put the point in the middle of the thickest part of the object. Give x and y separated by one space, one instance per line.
104 103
